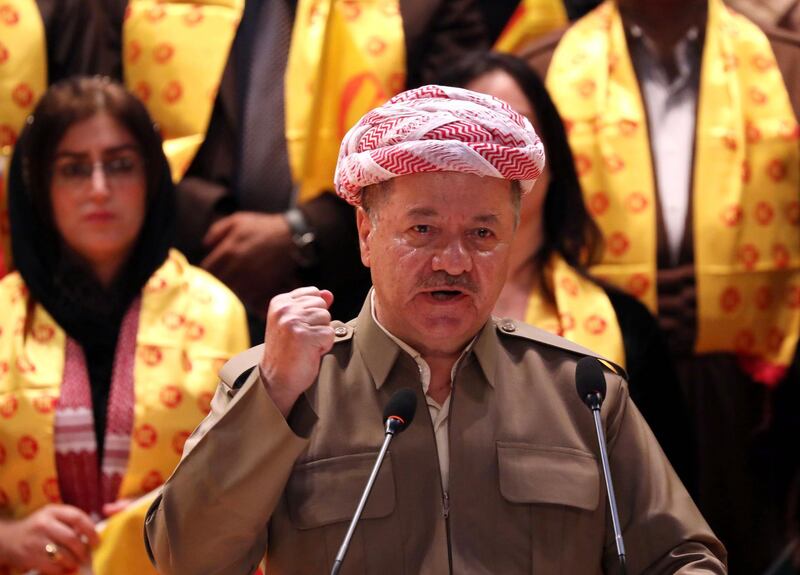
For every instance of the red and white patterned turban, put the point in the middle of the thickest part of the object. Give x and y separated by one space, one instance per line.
438 129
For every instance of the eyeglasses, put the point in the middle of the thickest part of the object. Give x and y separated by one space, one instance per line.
118 171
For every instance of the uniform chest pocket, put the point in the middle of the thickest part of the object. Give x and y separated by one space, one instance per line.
327 491
548 475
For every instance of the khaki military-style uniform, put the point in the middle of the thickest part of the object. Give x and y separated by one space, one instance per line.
525 494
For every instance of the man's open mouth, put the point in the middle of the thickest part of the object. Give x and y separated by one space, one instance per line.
445 295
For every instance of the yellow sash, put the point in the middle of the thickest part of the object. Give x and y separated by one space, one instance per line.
23 79
346 57
174 56
531 20
745 183
189 325
583 313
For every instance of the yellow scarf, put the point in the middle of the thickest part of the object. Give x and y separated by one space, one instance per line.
23 79
582 313
531 20
174 56
181 344
346 57
745 183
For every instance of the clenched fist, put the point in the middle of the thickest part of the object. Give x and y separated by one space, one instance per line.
298 334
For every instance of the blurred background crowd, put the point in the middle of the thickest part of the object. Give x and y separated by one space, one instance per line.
167 168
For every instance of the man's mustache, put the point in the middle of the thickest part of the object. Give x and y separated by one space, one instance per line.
444 280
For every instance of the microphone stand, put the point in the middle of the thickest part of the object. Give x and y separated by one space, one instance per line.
392 423
594 403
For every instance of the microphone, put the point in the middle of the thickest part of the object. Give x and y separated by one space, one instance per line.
397 415
591 386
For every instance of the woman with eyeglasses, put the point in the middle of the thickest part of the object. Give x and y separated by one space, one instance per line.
109 340
548 284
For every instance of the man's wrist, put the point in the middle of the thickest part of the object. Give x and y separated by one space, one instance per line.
283 399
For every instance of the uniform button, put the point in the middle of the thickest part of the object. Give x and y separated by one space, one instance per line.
508 327
340 331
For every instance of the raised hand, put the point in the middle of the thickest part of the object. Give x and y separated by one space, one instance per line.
298 334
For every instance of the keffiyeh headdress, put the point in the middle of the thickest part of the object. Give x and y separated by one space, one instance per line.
438 129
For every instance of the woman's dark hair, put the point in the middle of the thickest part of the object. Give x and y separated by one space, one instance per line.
567 227
75 300
69 102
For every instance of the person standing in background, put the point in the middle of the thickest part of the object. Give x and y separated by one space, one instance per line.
557 241
254 206
41 42
692 173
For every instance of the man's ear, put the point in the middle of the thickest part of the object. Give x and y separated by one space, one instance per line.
364 224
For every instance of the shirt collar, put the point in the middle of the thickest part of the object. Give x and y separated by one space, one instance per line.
380 349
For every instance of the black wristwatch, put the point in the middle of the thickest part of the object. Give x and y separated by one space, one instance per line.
303 238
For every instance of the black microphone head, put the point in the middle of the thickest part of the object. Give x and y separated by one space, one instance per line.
590 381
401 409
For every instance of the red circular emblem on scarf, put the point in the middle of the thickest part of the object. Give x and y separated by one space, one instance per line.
45 403
637 202
764 213
8 406
9 15
732 216
172 92
204 402
567 322
749 256
775 339
146 436
793 299
143 91
50 490
8 137
194 16
777 170
781 256
595 324
171 396
764 298
152 480
24 489
155 14
28 447
44 333
151 355
638 285
569 286
730 299
598 203
195 331
173 320
134 51
22 95
163 52
618 244
179 440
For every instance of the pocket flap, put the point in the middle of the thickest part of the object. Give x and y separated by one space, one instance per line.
327 491
543 474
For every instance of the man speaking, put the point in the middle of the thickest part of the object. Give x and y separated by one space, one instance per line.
504 474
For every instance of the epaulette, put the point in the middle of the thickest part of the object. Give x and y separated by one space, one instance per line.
342 331
518 329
